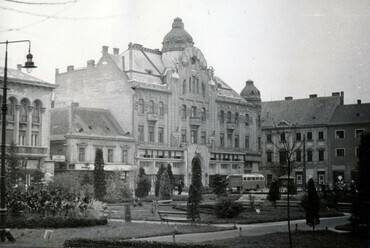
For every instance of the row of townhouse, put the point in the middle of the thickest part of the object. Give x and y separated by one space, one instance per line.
323 135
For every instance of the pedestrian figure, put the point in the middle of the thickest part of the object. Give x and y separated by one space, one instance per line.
179 187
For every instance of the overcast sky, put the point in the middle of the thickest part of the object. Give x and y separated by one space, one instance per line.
287 47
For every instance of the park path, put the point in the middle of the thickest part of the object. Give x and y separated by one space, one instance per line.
251 230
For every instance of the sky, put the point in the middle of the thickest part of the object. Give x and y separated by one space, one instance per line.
287 47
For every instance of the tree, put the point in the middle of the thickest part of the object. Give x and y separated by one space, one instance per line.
165 188
158 179
99 176
361 204
274 193
196 180
219 185
285 140
312 206
195 190
170 175
143 184
12 164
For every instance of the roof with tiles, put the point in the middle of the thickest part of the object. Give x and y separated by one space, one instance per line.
308 111
18 76
351 114
90 121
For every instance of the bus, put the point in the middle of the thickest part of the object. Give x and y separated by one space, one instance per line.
245 182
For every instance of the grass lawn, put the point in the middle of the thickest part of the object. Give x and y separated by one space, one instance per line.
114 230
246 217
300 239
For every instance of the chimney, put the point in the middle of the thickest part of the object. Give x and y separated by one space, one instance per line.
56 71
249 82
116 51
313 96
341 98
288 98
358 101
70 68
19 67
105 50
90 63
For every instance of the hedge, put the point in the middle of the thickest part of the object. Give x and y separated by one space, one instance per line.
52 222
91 243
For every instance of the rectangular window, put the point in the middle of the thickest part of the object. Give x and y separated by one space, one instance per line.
269 137
259 121
224 166
22 138
309 135
321 135
298 178
160 135
81 154
34 139
259 143
298 156
235 166
247 142
321 177
247 119
321 155
229 138
222 139
140 133
339 134
110 155
282 137
357 150
309 156
298 136
359 132
203 137
269 157
339 152
183 111
124 156
151 133
236 140
194 136
183 135
282 158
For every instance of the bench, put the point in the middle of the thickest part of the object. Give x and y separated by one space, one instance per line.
175 216
164 202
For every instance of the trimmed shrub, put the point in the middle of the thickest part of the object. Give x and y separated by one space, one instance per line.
129 243
143 184
99 175
219 184
117 190
53 222
165 188
161 169
228 209
274 193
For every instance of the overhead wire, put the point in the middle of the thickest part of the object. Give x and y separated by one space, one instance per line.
42 3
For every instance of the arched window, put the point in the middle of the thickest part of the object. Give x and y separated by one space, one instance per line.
24 111
36 112
203 90
10 114
222 120
236 118
141 106
151 106
229 116
161 109
184 86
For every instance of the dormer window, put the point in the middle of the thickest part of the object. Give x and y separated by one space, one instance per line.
193 60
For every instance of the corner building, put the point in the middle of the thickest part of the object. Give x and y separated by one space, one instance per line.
173 105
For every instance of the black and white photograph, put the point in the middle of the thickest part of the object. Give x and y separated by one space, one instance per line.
185 123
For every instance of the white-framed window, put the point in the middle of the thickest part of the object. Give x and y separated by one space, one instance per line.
110 155
224 166
321 177
269 156
359 132
269 137
124 156
81 154
309 135
160 134
339 134
299 178
151 133
203 137
321 155
321 135
235 166
298 136
339 152
183 135
34 139
22 138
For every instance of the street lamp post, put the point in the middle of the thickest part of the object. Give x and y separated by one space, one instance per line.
29 65
24 163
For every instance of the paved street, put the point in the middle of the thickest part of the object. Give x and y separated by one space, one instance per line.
252 230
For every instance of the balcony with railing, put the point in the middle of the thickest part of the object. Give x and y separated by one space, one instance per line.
152 117
195 121
230 125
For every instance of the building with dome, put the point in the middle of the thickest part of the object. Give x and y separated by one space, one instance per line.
173 105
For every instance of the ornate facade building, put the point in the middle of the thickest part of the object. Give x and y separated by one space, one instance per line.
28 121
173 106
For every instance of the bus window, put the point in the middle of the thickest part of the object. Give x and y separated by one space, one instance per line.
245 179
